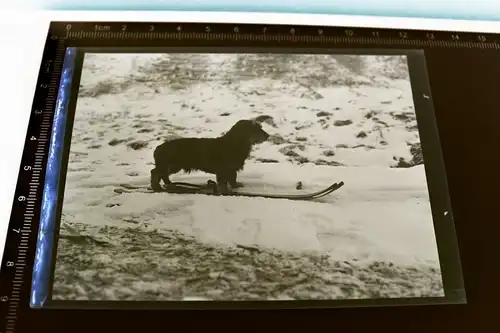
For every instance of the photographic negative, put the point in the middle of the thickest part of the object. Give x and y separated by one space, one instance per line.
191 177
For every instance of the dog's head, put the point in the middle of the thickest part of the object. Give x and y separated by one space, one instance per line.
249 131
265 119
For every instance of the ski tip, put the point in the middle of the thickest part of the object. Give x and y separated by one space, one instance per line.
341 183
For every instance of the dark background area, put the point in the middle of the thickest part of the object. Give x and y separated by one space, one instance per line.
464 85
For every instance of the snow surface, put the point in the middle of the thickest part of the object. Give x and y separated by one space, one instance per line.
346 118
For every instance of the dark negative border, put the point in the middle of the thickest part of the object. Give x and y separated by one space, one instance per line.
444 228
442 212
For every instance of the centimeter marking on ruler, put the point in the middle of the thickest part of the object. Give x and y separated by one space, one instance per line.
349 37
30 198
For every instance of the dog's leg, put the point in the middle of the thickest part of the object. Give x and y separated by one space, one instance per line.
166 174
155 180
222 183
166 179
232 175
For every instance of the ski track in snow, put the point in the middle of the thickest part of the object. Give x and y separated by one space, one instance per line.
372 238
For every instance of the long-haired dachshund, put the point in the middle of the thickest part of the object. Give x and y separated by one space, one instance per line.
223 156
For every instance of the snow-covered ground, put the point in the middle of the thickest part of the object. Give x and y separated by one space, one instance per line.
341 117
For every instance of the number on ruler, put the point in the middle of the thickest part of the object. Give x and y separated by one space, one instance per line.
9 263
151 28
455 37
68 27
264 30
38 111
43 85
481 38
207 29
236 29
27 168
375 34
33 138
17 230
124 27
320 31
430 35
21 198
4 298
349 33
179 28
403 34
292 31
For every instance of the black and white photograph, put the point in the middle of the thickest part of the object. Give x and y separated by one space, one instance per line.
245 177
